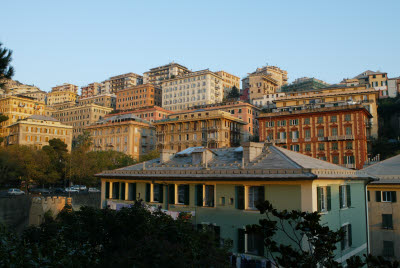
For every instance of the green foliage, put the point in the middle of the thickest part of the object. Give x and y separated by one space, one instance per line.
3 118
130 237
150 155
83 141
385 148
299 229
234 93
6 70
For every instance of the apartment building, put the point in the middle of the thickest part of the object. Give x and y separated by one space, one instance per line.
228 81
106 100
265 80
17 108
150 114
91 90
376 80
383 208
140 96
124 81
158 74
221 187
393 87
332 96
212 129
123 133
65 87
38 95
192 89
241 110
267 101
81 116
36 130
304 84
337 134
63 93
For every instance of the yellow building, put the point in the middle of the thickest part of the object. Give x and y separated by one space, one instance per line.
57 97
36 131
229 81
65 87
17 108
106 100
335 94
376 80
213 129
81 116
123 133
383 208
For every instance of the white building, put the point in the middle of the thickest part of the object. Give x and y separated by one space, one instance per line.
192 89
267 101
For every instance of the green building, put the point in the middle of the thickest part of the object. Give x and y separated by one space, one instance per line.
220 187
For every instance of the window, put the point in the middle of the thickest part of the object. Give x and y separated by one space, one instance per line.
255 244
347 239
324 198
294 122
335 159
209 195
321 147
320 119
348 131
307 133
183 194
333 119
306 121
269 123
157 193
295 147
281 123
385 196
388 249
347 117
320 132
349 145
334 131
387 221
344 196
308 147
255 194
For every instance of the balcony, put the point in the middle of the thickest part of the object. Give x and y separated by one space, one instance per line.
307 139
348 165
295 140
321 138
281 141
349 137
333 138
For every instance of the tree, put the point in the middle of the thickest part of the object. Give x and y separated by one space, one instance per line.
234 93
309 243
130 237
83 141
6 70
150 155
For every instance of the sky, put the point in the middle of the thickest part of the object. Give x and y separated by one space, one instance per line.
81 42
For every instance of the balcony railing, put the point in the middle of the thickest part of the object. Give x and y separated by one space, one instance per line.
281 140
333 138
321 138
307 139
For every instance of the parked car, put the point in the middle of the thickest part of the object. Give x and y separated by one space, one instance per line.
40 191
71 190
58 190
14 191
93 190
79 187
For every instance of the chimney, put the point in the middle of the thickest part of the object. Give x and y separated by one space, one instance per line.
251 150
166 155
202 156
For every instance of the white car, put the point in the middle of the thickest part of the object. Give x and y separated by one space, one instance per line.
14 191
94 190
79 187
71 190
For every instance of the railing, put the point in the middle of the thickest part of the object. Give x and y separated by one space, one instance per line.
295 139
281 140
307 139
333 138
321 138
348 165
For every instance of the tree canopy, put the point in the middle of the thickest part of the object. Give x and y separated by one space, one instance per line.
6 70
234 93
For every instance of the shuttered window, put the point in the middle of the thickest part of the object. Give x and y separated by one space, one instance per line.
324 199
107 192
387 221
131 191
347 240
158 193
255 196
240 197
344 196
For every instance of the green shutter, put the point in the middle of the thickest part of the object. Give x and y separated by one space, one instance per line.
199 195
319 199
394 198
350 235
107 190
378 196
132 191
261 195
328 197
147 196
348 195
161 194
384 221
342 241
186 194
241 240
171 193
240 197
340 196
123 190
116 190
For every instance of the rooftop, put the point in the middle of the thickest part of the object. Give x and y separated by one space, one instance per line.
388 171
274 163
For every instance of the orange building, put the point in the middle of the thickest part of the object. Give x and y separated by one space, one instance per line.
140 96
149 114
334 134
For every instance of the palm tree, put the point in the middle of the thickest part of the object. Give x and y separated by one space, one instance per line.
6 70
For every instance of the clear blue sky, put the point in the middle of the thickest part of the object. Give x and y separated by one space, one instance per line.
81 42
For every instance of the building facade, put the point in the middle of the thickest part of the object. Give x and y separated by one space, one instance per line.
65 87
106 100
140 96
150 114
192 89
393 87
38 95
81 116
376 80
383 208
229 81
333 96
267 101
63 93
217 189
213 129
123 133
336 134
158 74
241 110
91 90
36 130
124 81
17 108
